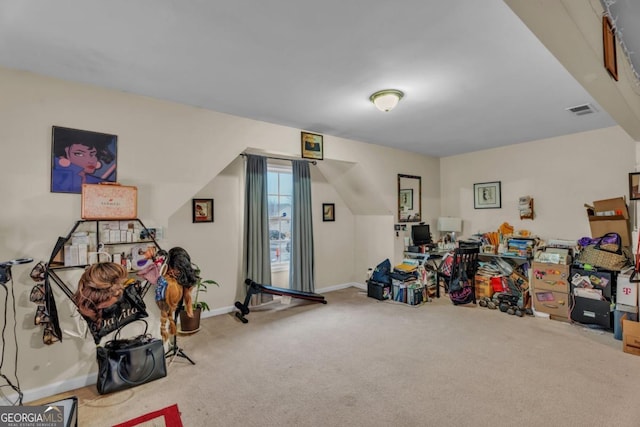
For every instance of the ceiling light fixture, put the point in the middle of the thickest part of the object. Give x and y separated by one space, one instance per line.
386 100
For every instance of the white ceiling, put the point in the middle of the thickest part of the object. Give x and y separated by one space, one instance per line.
474 76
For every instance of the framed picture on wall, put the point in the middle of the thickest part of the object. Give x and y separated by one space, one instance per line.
487 195
202 210
311 145
328 212
634 186
81 157
609 47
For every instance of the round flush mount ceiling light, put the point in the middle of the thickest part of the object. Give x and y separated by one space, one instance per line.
387 99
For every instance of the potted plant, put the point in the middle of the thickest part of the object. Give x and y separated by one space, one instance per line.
192 324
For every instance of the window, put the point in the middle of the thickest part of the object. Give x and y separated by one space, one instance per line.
279 189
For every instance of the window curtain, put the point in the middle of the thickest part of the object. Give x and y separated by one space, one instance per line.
256 226
301 267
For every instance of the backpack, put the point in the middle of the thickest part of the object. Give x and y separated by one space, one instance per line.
460 290
382 272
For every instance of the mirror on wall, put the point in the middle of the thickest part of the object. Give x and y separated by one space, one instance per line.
409 198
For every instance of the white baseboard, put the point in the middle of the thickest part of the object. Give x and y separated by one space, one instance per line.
59 387
342 286
83 381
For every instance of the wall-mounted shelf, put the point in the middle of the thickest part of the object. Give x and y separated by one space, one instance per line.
96 238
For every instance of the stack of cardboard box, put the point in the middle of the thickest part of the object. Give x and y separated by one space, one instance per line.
610 216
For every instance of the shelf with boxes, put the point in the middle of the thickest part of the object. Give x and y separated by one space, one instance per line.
91 241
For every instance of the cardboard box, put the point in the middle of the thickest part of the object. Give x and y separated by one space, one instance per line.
617 223
552 277
551 302
630 336
623 312
483 287
70 255
83 254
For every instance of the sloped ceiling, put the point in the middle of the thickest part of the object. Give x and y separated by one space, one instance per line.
572 32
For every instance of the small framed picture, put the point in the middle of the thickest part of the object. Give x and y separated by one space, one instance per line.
487 195
202 210
311 145
328 211
634 186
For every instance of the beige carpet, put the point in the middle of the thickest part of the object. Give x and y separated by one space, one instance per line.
359 362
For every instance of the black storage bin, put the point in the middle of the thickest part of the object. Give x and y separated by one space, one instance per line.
592 312
377 290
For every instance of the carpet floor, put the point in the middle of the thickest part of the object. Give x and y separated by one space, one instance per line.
357 361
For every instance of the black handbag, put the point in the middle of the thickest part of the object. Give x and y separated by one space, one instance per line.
130 362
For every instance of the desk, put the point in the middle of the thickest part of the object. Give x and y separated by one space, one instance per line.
430 261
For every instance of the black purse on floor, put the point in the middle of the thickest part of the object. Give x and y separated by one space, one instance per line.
130 362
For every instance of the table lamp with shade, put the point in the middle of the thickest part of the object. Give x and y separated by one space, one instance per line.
450 225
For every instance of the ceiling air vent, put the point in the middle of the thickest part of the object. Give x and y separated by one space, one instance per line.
581 110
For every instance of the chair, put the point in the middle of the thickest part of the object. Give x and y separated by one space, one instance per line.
463 259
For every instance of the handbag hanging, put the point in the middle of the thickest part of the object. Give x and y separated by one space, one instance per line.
610 256
129 362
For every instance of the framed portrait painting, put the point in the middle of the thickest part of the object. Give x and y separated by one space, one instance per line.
311 145
81 157
487 195
202 210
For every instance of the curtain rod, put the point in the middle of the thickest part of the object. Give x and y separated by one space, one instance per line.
313 162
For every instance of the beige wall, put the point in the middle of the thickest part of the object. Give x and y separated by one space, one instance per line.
174 153
561 174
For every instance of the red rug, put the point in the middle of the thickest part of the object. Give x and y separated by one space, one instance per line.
171 415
